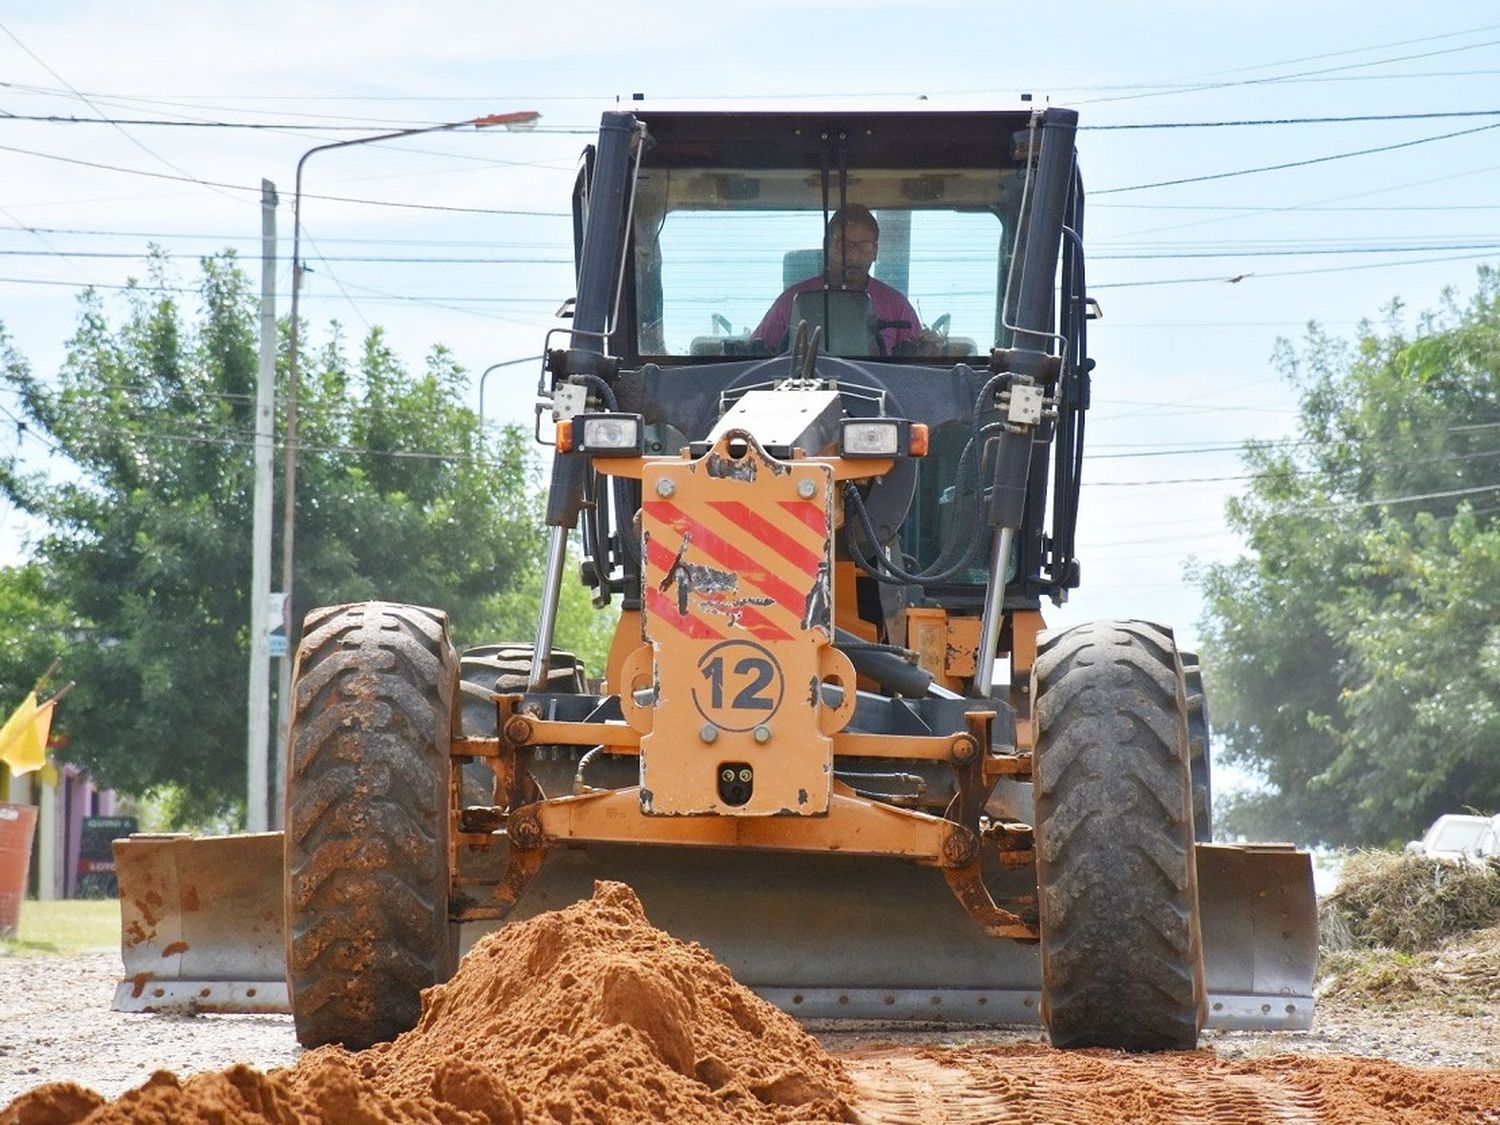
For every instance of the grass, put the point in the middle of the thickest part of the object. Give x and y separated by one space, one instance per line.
64 927
1408 902
1406 931
1461 976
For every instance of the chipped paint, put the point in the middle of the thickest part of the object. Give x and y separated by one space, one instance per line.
728 468
815 610
697 577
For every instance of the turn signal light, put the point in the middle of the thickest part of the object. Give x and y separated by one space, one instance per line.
917 440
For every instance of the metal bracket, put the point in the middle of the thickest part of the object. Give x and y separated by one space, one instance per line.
1026 403
568 401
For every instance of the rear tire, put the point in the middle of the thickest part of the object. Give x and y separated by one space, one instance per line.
374 704
504 669
1199 763
1122 961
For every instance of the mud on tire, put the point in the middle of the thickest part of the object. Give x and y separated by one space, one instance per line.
374 702
1122 961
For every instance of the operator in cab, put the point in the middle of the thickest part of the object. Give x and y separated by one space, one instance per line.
852 243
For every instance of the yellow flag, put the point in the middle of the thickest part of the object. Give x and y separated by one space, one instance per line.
23 740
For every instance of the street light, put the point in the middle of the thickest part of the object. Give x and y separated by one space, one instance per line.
519 120
524 119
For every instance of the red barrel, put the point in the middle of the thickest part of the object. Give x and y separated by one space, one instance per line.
17 826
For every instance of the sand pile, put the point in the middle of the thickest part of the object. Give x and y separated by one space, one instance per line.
584 1014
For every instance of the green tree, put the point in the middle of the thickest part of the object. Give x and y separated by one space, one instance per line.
35 631
400 497
1353 654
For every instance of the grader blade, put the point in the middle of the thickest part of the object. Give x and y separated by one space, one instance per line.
201 923
822 937
844 937
1260 935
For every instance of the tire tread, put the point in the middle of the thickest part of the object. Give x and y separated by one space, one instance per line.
1121 949
374 705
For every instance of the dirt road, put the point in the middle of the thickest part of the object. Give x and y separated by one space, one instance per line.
56 1024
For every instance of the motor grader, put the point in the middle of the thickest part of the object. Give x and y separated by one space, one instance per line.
833 740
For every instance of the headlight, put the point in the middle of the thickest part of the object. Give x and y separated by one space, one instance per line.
882 437
609 435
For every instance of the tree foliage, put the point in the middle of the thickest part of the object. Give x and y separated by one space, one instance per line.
400 497
1353 653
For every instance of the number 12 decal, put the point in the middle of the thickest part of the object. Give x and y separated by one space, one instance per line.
760 672
741 685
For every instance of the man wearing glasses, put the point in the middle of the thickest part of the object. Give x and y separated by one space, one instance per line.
853 241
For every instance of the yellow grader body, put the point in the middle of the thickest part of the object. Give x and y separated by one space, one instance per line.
798 755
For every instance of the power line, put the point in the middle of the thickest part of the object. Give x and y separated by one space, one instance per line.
1314 203
1309 208
382 259
24 427
246 438
191 289
1297 163
1363 117
305 195
268 126
256 238
1278 78
1441 459
282 126
1298 253
160 159
1359 50
1305 250
1237 278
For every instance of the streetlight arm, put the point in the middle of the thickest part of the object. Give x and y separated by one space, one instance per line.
520 118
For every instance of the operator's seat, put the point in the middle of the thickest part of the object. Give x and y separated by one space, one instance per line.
846 316
849 328
799 265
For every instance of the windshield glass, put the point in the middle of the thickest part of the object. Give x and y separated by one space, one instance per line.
1458 835
911 264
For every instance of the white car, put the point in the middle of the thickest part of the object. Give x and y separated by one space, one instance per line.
1489 843
1454 836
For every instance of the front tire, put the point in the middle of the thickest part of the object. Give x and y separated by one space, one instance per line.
374 698
1122 962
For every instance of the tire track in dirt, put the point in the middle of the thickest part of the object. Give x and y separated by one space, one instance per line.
1030 1084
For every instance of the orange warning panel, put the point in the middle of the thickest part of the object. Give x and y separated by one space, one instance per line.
737 559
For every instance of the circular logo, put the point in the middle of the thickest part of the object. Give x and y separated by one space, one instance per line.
739 685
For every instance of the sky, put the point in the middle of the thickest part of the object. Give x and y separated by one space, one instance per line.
1207 240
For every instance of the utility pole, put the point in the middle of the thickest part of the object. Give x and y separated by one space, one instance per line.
258 726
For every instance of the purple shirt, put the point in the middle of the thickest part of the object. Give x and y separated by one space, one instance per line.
886 304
